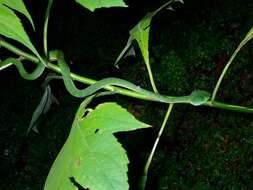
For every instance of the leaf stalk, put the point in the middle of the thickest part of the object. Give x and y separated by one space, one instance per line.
146 168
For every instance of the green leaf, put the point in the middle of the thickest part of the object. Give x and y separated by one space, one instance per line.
10 25
91 154
19 6
96 4
140 33
43 107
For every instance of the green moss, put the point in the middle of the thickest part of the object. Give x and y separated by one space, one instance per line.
208 155
172 75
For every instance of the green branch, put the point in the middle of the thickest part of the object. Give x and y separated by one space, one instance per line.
119 90
45 29
224 72
146 168
231 107
246 39
151 78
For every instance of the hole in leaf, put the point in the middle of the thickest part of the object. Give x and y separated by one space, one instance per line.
85 113
96 130
75 183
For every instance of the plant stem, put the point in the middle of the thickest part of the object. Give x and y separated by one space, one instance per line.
246 39
19 52
225 106
45 29
119 90
145 173
223 73
75 77
151 78
88 81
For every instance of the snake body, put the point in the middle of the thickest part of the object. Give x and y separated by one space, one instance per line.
197 97
28 76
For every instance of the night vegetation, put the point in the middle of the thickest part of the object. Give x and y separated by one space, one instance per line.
201 148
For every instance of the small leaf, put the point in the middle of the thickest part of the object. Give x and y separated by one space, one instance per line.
96 4
91 154
10 25
43 107
124 51
140 33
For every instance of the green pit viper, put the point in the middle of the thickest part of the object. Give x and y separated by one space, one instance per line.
196 98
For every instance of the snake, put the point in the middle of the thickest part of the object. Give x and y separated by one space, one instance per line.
196 98
21 69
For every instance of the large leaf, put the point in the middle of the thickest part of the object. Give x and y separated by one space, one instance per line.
10 25
140 33
91 154
96 4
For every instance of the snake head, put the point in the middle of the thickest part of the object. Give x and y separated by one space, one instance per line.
199 97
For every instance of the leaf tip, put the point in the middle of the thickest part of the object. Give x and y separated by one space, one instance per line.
170 8
181 1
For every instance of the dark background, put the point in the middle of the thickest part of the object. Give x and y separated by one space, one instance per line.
202 148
